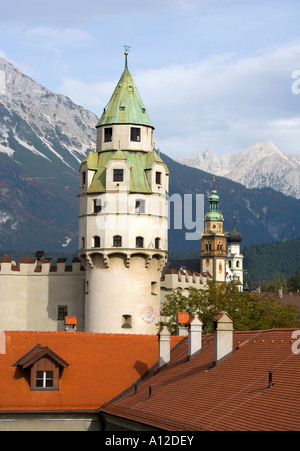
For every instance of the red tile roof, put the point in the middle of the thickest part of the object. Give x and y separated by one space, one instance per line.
233 396
183 317
70 320
93 378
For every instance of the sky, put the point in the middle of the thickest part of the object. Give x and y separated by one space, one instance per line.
217 74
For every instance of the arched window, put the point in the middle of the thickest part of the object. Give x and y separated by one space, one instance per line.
96 241
82 243
237 264
140 242
157 243
117 241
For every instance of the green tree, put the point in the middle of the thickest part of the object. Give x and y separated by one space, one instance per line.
248 311
294 282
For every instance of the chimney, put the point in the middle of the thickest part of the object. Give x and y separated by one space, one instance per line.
195 336
182 320
70 323
223 336
164 338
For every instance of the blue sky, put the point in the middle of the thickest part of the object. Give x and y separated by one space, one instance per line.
212 73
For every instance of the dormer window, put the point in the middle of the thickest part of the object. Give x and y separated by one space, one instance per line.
158 178
45 368
118 175
44 379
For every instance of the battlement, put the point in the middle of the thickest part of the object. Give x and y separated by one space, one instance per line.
184 279
39 265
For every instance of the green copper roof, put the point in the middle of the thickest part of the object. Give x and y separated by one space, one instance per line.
125 105
139 162
214 214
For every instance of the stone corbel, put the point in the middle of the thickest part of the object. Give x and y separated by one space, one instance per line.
128 257
89 259
148 260
106 260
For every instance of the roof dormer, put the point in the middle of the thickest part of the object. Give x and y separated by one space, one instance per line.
44 367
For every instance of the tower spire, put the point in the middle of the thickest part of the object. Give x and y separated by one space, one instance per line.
127 50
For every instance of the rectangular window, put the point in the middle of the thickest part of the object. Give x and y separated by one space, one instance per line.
118 175
62 312
97 206
140 206
83 178
135 134
158 178
108 135
44 379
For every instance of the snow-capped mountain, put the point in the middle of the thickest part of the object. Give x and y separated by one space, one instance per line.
43 138
48 125
261 165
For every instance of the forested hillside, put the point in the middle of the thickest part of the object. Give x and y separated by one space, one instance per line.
263 261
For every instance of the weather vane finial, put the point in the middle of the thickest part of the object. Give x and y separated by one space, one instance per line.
127 50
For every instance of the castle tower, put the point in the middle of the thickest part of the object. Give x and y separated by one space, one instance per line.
213 244
234 257
123 218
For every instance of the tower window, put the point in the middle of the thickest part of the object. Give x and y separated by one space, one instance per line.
140 242
83 178
135 134
118 175
127 322
140 206
158 178
208 246
154 288
117 241
97 206
108 134
157 243
96 241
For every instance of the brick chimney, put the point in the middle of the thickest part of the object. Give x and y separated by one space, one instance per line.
164 338
194 336
223 336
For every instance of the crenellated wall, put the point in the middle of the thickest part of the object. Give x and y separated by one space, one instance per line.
183 280
32 291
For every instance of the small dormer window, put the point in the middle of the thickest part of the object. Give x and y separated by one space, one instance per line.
45 368
44 379
135 134
158 178
118 175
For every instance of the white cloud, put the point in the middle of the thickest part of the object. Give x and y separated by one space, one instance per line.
54 38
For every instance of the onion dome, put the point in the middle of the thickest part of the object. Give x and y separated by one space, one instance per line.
234 236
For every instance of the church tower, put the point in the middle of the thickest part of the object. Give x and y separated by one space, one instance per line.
213 244
234 257
123 225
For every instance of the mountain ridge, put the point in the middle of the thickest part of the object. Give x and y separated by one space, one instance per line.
261 165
